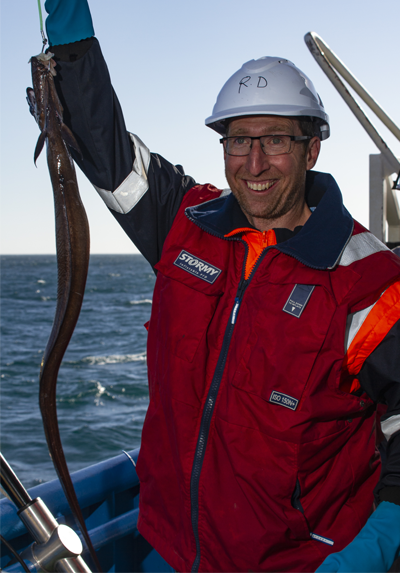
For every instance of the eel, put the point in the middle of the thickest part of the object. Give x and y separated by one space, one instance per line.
72 243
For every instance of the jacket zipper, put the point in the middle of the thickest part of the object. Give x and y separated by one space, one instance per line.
210 403
219 370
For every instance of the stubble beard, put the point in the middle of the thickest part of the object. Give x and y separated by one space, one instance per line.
270 209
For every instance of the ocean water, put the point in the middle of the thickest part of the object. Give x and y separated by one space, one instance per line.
102 394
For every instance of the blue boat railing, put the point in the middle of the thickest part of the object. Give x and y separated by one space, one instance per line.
108 493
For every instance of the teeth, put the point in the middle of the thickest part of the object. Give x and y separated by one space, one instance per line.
260 186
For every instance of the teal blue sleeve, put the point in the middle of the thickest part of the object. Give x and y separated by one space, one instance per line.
68 21
374 549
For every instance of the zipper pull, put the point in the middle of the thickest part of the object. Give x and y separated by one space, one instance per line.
235 310
264 239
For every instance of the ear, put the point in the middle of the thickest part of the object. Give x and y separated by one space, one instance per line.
313 150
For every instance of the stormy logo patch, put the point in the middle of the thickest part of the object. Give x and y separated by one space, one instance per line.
197 267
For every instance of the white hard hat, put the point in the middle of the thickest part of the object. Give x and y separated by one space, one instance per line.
269 86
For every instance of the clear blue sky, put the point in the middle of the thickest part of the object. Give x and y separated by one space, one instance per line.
168 61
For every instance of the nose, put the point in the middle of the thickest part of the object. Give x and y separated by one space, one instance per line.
257 161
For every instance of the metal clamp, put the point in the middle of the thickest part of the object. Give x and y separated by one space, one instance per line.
57 547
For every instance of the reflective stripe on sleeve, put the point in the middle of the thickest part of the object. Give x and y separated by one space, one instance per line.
132 189
354 323
367 328
390 426
359 247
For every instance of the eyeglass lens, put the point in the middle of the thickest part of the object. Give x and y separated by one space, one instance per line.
270 144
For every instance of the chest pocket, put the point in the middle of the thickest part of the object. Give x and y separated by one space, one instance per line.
187 297
284 341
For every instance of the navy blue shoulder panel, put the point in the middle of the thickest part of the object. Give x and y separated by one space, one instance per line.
326 233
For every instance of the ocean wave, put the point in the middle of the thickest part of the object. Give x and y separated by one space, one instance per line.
100 390
88 388
115 359
109 398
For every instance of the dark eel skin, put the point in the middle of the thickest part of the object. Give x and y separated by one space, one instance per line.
72 241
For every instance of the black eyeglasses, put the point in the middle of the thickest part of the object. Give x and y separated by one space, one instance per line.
240 145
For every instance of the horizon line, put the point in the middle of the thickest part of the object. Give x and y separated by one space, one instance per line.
55 254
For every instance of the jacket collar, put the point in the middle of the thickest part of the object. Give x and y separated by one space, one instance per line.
318 244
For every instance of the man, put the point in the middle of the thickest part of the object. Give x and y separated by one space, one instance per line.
274 330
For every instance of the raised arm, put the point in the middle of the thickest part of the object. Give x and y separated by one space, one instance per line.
142 190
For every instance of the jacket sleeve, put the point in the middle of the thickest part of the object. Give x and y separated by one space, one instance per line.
142 190
380 379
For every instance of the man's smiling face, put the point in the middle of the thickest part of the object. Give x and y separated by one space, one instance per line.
270 189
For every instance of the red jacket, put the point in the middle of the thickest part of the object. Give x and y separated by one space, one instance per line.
253 456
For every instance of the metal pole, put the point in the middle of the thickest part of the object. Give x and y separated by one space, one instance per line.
11 485
329 62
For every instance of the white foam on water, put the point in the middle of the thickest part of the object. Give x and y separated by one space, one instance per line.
116 359
144 301
100 389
